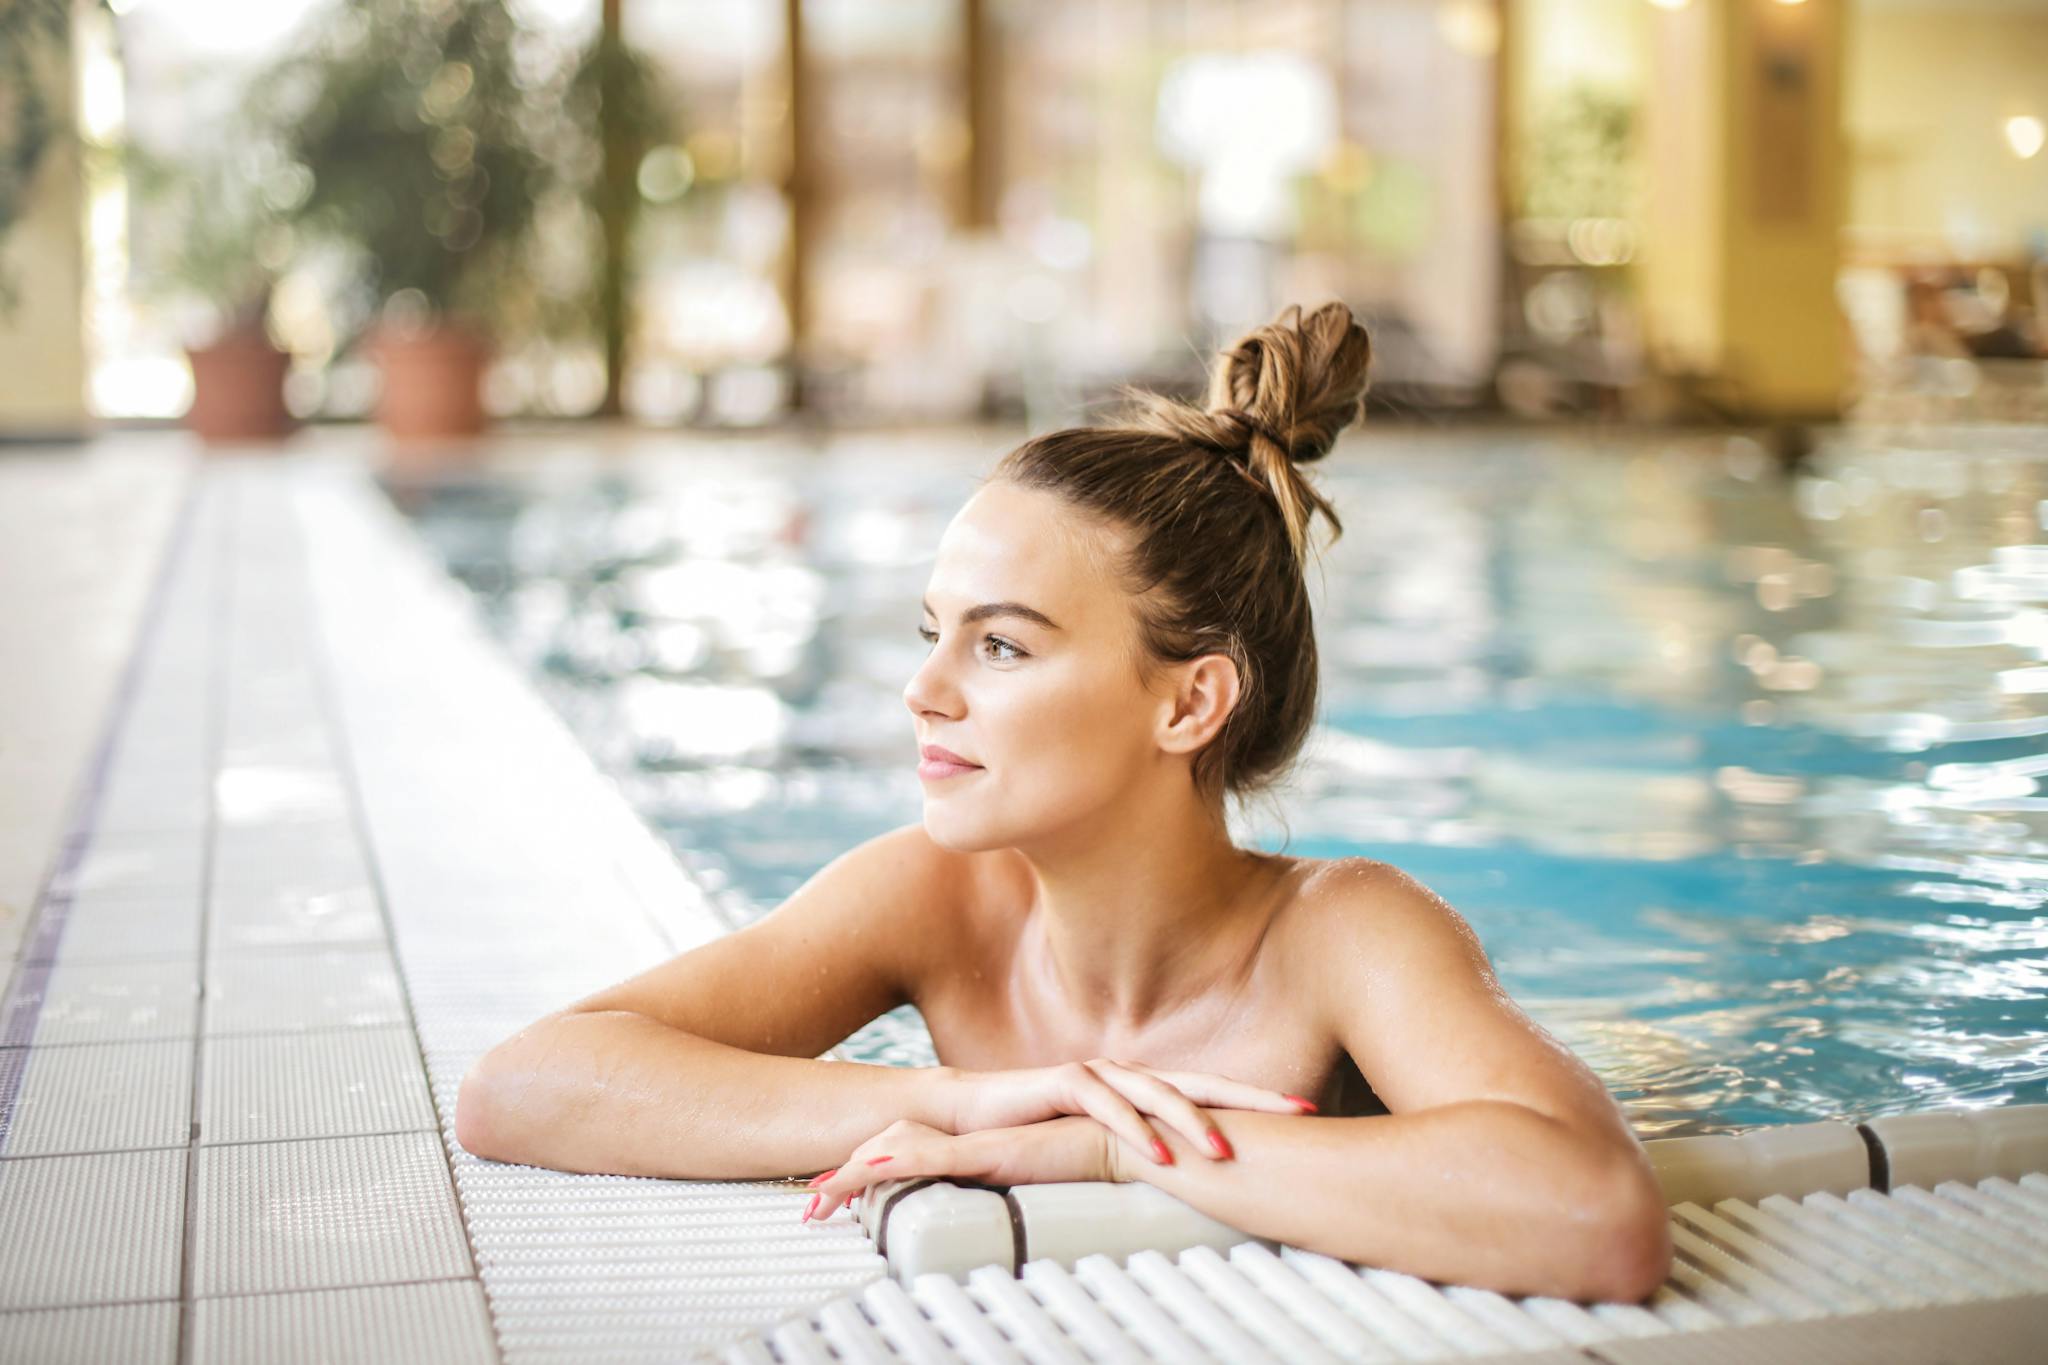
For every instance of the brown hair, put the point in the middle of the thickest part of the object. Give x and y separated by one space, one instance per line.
1218 516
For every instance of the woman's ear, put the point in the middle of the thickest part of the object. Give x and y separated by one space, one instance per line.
1205 691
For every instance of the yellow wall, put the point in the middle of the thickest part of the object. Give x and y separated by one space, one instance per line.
1784 344
1741 172
1679 265
42 344
1929 87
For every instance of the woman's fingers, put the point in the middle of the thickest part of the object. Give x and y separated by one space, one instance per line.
1108 1106
1221 1092
901 1150
1168 1102
851 1181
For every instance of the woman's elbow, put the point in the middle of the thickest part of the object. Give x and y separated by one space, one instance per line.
1634 1258
475 1115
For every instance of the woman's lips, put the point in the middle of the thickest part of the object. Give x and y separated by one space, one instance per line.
933 768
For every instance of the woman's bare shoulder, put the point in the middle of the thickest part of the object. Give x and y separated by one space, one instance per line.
1337 900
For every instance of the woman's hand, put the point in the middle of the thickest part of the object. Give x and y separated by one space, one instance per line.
1068 1148
1118 1095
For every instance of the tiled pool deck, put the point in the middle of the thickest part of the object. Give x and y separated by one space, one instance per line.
281 906
287 845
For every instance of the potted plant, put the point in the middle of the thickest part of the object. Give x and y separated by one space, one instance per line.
208 251
421 127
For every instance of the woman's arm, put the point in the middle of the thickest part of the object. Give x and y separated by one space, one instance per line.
615 1092
1504 1160
705 1065
1482 1192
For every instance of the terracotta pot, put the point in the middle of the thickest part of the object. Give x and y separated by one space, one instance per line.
433 382
238 390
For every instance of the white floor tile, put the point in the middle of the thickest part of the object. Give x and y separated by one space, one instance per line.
109 928
325 1214
447 1323
258 794
101 1097
255 856
141 1333
281 991
129 866
104 1002
299 913
90 1229
309 1085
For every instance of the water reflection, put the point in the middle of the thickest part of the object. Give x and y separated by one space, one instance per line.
1738 776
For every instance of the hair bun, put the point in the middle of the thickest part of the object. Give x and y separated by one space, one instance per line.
1298 380
1238 427
1279 395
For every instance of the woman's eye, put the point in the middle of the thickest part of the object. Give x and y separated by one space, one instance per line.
931 636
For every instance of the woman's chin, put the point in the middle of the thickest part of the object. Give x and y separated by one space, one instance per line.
956 834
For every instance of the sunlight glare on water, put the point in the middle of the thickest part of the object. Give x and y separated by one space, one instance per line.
1737 776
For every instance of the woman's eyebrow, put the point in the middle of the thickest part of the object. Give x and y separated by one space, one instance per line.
990 609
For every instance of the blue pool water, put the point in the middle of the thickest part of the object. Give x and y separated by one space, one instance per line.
1736 775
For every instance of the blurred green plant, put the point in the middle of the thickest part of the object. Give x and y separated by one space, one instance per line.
1577 156
619 108
486 169
422 126
33 33
210 235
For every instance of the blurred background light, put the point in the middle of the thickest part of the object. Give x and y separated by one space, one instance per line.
2025 135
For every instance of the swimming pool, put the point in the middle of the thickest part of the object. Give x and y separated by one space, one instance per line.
1738 778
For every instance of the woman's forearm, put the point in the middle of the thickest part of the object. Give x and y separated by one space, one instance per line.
619 1093
1483 1193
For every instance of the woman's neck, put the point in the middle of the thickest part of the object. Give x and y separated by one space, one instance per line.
1133 924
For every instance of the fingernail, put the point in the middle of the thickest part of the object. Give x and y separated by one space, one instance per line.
818 1180
812 1209
876 1161
1221 1144
1306 1104
1159 1151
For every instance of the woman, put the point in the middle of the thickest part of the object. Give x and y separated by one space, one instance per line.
1121 639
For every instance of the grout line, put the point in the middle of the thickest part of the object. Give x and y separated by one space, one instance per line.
227 529
228 1033
216 1146
434 1127
318 647
246 1294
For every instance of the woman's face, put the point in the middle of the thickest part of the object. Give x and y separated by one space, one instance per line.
1051 710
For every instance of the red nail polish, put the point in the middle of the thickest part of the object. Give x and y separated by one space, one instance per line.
812 1209
1159 1150
1306 1104
1221 1144
876 1161
818 1180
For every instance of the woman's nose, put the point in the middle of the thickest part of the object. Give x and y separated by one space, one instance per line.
927 690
